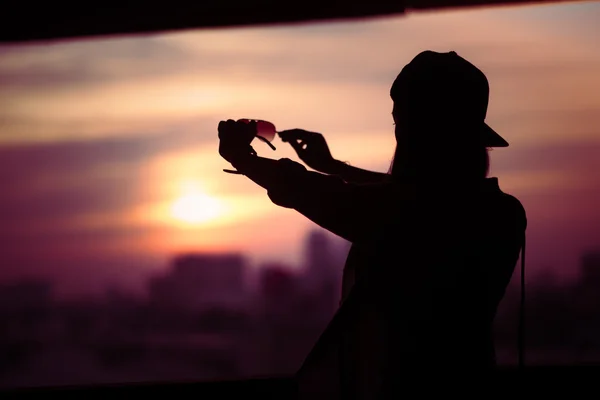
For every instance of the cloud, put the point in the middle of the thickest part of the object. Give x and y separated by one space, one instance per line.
78 63
97 87
577 157
65 179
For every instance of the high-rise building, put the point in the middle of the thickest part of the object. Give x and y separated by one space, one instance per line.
322 261
319 255
323 273
289 322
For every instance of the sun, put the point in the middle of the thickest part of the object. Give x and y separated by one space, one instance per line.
195 208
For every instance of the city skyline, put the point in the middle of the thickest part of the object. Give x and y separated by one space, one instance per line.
108 146
201 326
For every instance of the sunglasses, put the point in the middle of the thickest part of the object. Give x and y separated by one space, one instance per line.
265 132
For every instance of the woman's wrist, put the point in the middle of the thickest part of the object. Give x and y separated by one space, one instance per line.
335 167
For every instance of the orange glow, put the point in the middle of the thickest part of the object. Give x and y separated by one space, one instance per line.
195 207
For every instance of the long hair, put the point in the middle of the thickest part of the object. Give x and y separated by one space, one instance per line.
418 160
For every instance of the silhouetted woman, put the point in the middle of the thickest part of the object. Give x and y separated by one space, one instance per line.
434 242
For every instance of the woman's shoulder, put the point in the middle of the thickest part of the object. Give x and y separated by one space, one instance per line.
509 206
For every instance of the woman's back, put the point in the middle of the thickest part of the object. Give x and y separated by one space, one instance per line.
428 286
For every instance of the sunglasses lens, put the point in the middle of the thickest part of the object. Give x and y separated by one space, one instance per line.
266 130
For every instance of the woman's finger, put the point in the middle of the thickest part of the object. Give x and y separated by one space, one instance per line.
296 145
295 134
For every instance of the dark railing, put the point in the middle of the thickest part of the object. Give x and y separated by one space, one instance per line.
60 19
268 388
576 381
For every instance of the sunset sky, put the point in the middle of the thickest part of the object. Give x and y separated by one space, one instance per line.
108 148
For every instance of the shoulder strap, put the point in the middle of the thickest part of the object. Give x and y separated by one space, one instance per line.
521 334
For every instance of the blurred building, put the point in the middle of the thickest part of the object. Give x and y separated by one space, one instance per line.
279 285
585 295
25 310
296 306
198 281
590 268
27 294
323 268
195 321
285 328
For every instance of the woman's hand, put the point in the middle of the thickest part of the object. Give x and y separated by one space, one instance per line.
235 138
311 147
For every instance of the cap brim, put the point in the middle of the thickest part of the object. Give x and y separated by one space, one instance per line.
491 138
